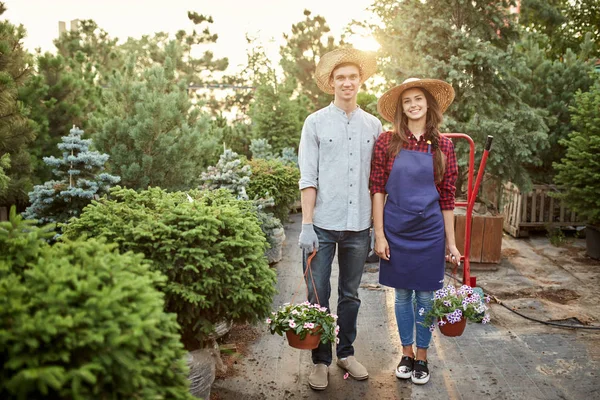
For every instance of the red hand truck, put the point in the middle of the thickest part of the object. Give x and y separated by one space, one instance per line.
471 196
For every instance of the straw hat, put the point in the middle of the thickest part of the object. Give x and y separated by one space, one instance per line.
441 91
365 60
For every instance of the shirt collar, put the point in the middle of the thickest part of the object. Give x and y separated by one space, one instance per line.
340 111
423 137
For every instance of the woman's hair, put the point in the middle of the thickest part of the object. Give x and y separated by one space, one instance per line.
432 133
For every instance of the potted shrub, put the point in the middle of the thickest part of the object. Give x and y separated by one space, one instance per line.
453 307
579 171
305 325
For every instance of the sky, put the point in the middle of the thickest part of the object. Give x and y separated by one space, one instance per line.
266 19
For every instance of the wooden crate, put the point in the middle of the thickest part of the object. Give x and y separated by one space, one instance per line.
486 237
534 210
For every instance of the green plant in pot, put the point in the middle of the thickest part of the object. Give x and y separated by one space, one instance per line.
578 173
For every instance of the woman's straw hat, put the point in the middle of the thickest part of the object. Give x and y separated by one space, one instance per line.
441 91
366 61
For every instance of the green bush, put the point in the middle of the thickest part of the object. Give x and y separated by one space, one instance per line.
272 178
80 321
579 171
211 250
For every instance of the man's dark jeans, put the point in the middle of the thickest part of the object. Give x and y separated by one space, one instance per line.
353 248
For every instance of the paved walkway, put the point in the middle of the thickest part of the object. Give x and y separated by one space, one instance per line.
511 358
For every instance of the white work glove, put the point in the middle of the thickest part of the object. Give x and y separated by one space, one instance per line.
308 238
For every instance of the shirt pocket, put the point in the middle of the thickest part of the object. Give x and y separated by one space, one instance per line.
366 148
330 149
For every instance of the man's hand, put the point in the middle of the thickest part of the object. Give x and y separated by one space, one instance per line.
308 238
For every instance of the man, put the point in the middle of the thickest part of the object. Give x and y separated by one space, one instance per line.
335 159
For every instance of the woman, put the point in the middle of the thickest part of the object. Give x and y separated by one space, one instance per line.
416 168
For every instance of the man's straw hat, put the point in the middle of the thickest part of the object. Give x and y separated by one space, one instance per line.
441 91
365 60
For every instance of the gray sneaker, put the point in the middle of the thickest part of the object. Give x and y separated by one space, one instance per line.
355 369
318 378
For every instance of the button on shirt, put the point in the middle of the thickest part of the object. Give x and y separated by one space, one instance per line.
335 158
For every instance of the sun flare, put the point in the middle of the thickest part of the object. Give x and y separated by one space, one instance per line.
366 43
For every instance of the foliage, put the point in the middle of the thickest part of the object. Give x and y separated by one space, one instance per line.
59 95
260 148
209 246
551 84
469 44
90 50
151 51
566 23
303 319
151 131
289 157
578 173
368 102
272 178
454 304
16 129
4 165
80 320
235 135
230 173
301 53
277 117
80 179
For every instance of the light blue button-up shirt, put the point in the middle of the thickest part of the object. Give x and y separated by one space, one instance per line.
335 158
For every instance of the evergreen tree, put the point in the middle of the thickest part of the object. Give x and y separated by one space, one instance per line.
150 51
90 49
80 180
58 95
579 171
16 130
229 173
301 53
470 45
153 134
566 23
260 148
4 165
550 85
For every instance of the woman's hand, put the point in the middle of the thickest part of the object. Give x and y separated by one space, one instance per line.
382 249
454 255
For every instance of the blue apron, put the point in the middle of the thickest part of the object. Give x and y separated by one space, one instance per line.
413 225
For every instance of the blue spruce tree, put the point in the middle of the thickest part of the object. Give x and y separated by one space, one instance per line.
80 180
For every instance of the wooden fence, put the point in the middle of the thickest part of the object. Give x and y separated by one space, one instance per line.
534 210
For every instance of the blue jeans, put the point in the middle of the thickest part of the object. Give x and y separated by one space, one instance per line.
405 316
353 248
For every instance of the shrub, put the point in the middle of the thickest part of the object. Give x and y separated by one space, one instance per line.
579 171
272 178
81 177
80 320
211 250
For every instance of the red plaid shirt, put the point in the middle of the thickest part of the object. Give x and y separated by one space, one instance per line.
381 166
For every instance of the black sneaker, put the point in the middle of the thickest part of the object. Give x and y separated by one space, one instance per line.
420 373
405 367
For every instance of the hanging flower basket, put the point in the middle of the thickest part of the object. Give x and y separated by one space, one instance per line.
305 325
455 329
452 308
309 342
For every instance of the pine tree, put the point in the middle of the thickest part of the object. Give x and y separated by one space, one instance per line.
550 85
152 132
469 44
229 173
16 130
80 180
4 165
260 148
579 171
58 95
301 53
